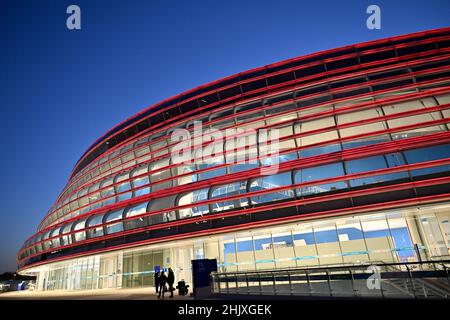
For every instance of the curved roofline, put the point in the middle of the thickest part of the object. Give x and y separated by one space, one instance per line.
220 80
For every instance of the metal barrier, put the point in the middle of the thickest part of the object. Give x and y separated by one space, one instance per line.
428 279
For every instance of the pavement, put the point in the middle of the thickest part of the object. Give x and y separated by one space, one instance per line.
101 294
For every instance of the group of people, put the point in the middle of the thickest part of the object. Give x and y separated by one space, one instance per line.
161 280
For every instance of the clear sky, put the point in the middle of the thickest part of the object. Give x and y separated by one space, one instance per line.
60 90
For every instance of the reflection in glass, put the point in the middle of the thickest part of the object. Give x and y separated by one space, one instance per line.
270 182
318 173
229 190
111 217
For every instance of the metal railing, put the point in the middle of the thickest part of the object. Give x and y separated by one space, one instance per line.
428 279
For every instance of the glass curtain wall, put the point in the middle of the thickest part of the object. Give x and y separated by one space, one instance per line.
403 235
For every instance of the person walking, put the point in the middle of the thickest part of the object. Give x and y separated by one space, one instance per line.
157 280
162 284
170 281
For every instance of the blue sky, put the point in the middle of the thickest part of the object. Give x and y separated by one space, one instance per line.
60 90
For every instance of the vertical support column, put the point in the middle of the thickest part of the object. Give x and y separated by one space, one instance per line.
217 279
446 272
329 282
381 288
309 282
353 283
118 264
260 285
412 281
274 283
248 286
290 283
226 283
417 237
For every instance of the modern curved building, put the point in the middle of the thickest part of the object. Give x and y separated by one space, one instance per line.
362 173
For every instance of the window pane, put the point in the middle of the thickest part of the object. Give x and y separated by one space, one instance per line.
365 141
242 167
401 238
428 154
264 255
67 239
162 203
328 247
47 244
370 127
352 242
318 137
359 115
378 239
80 236
124 196
443 99
107 191
141 181
417 132
374 163
403 107
123 187
191 198
270 182
184 169
229 190
94 221
318 173
55 233
209 163
134 211
114 227
159 176
314 151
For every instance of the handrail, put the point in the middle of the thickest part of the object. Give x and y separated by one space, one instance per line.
338 267
394 280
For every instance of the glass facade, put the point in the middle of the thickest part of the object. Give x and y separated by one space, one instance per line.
402 235
358 132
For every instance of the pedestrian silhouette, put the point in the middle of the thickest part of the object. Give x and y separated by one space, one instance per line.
162 284
170 281
157 273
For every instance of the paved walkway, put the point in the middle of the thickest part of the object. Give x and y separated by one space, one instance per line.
103 294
